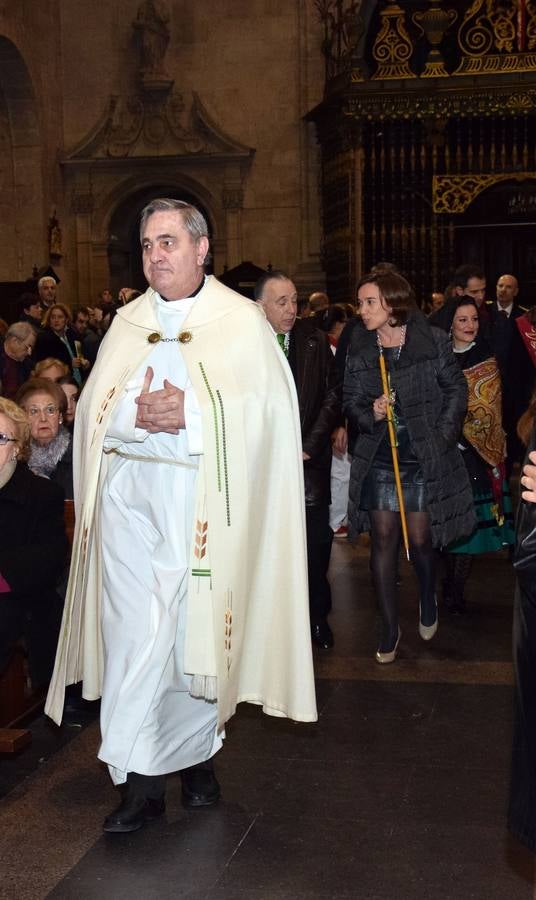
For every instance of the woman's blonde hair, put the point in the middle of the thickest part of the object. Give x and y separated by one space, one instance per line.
21 425
44 364
65 310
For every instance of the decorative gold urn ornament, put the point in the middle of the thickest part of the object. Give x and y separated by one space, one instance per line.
433 24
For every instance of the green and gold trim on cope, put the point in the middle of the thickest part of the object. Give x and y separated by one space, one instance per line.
220 437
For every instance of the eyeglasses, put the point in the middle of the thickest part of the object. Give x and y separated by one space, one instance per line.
4 439
29 347
49 410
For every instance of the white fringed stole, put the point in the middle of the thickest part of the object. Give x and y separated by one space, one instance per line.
199 648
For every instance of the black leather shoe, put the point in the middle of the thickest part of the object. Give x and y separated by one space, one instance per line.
199 787
133 813
322 636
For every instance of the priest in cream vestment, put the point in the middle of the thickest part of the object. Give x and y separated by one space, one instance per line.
188 586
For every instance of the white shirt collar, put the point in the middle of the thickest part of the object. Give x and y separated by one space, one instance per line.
506 309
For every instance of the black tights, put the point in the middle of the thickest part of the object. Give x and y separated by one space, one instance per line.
457 570
385 543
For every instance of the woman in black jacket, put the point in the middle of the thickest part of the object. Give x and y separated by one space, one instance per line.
59 341
483 445
33 550
429 396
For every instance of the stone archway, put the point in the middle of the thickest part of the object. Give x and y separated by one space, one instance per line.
123 249
117 168
497 231
22 229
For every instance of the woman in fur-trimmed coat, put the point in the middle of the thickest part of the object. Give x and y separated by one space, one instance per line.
428 394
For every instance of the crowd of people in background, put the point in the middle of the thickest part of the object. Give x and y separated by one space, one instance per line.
47 354
460 376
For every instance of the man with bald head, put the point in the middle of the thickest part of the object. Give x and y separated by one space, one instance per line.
515 366
318 301
507 291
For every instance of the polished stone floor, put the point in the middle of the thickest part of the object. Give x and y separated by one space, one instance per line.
397 793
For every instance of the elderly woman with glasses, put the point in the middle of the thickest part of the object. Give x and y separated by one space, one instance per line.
33 550
15 354
45 405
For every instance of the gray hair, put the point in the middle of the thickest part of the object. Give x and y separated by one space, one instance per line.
272 275
20 330
194 221
45 279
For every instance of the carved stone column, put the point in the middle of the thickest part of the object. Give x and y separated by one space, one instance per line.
232 202
82 206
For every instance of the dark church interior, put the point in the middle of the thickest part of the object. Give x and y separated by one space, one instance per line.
321 141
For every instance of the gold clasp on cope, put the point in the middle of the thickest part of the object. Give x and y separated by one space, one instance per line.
154 337
185 337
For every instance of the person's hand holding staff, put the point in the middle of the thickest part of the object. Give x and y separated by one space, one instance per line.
392 441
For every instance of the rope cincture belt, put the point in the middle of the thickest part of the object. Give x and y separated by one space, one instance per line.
152 459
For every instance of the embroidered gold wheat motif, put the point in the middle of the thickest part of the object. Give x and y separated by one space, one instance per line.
85 537
200 539
104 405
228 619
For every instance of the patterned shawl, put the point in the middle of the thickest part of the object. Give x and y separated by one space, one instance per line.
528 332
483 423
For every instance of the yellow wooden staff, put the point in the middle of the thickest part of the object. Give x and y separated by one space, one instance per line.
392 440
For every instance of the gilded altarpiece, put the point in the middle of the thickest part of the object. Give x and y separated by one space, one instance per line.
428 105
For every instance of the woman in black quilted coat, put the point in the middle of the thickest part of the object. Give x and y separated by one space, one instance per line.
429 396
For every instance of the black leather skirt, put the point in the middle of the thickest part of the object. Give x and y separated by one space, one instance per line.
379 488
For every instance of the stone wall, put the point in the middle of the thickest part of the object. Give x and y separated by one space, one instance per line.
32 132
256 68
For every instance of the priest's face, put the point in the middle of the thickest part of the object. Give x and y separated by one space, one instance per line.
172 259
280 303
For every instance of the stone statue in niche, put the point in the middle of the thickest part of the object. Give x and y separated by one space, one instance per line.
152 27
54 237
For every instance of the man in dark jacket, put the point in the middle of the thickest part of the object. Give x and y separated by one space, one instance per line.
522 799
515 365
319 396
29 309
15 353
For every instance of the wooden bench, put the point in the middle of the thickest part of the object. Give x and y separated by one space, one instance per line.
18 701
